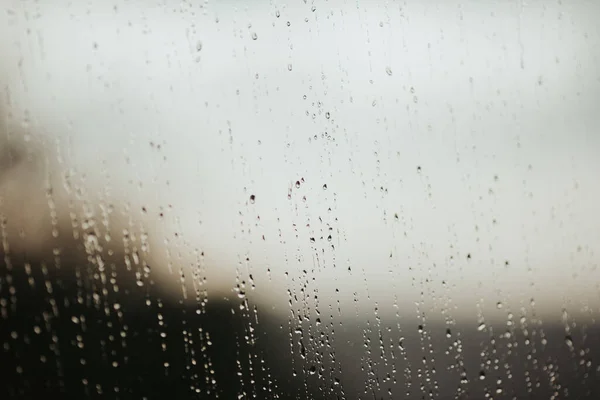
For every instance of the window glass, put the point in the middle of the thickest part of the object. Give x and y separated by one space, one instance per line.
299 200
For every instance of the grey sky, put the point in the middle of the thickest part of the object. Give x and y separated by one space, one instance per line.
458 144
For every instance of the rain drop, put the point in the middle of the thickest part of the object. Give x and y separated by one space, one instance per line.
569 341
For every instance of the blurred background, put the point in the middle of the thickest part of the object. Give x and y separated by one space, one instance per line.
327 199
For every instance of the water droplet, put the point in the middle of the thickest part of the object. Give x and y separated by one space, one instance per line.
569 341
252 198
388 71
481 326
254 36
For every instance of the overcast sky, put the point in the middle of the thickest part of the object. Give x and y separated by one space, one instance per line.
450 151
